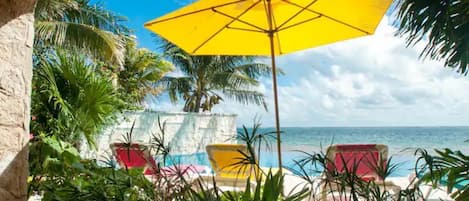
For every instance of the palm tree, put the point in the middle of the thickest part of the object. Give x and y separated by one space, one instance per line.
71 99
74 24
142 69
207 78
443 24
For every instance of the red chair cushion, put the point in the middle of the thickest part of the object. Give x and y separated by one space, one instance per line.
132 156
360 159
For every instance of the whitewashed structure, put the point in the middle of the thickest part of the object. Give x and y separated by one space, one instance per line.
185 133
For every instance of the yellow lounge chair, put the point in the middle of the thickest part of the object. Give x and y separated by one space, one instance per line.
228 174
228 162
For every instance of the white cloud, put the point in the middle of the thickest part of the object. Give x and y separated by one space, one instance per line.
369 81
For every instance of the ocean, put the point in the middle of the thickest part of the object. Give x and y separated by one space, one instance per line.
402 143
400 140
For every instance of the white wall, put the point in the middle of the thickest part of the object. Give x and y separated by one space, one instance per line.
186 133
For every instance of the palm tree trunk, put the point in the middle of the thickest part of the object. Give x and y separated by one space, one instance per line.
16 41
198 100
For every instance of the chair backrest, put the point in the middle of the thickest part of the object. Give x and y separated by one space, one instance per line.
361 159
133 156
226 161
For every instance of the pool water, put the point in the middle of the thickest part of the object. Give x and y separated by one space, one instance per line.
405 164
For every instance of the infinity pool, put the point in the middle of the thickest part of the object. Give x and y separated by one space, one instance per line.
269 159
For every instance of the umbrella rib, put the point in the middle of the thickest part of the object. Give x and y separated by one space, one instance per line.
193 12
331 18
221 29
243 29
239 20
296 14
302 22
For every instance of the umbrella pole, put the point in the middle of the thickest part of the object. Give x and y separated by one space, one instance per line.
274 83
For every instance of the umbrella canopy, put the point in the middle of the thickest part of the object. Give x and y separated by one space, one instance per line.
267 27
241 27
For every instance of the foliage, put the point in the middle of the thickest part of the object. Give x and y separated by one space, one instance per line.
447 167
347 185
207 77
443 24
77 25
70 100
270 189
50 157
142 69
253 138
60 174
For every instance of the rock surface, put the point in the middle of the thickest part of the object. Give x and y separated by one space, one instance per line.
16 41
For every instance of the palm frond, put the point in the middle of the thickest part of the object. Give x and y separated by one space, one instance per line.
99 17
256 70
246 96
96 42
232 80
82 100
47 10
142 70
447 167
75 24
442 24
175 86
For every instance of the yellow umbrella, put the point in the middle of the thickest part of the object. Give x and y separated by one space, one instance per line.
267 27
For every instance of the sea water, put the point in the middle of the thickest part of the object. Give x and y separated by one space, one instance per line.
402 143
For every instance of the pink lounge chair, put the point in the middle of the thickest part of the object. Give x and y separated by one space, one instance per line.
361 159
138 156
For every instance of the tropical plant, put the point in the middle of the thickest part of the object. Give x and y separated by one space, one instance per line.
443 24
75 24
61 175
70 100
346 184
255 139
206 78
50 157
142 69
446 167
58 173
270 188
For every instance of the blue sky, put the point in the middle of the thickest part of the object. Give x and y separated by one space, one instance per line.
369 81
140 11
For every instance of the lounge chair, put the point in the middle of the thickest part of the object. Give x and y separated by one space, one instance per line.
138 156
134 155
228 161
230 172
363 160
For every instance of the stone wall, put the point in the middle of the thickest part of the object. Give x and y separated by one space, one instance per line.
16 40
186 133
